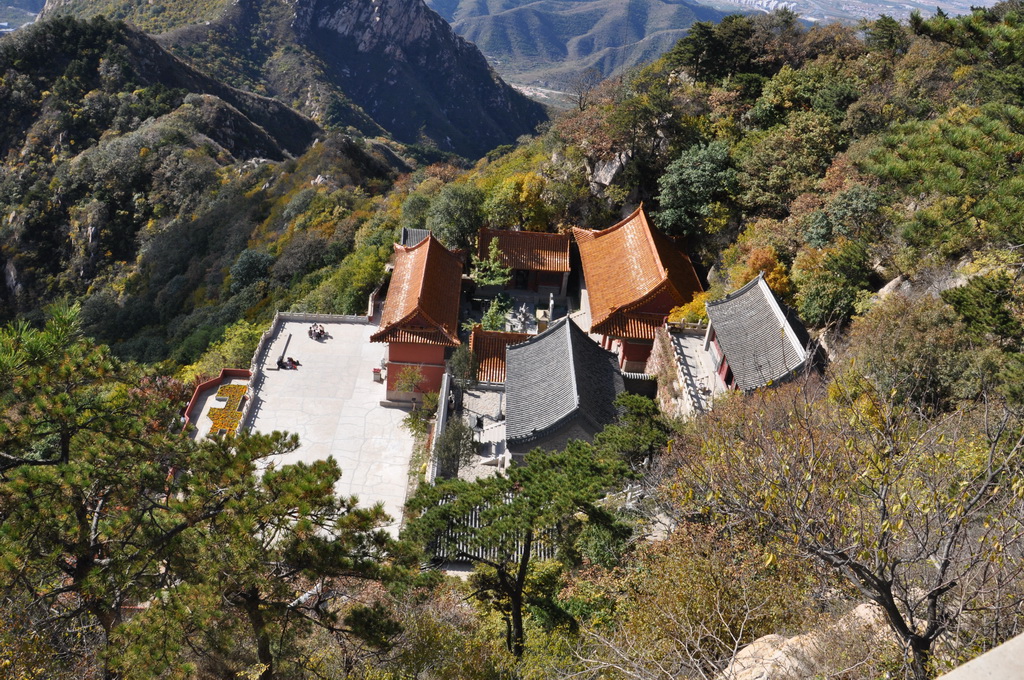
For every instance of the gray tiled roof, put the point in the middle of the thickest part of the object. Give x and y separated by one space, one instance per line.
411 237
556 378
761 342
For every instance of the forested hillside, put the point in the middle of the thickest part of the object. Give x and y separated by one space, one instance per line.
863 522
392 65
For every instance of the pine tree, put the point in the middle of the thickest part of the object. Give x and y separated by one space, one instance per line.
534 504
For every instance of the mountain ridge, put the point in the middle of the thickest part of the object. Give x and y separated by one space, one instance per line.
552 41
393 65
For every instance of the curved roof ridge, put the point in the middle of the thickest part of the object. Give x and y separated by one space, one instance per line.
409 251
618 225
759 341
551 382
650 240
649 295
444 331
739 291
425 282
540 336
569 325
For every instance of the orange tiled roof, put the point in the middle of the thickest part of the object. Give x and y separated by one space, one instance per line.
422 305
628 268
489 349
530 250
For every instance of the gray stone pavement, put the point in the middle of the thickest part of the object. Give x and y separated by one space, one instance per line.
493 457
332 402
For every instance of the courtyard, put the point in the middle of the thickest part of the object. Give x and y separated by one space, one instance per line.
332 402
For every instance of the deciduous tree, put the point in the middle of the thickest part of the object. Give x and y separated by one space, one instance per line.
491 270
920 515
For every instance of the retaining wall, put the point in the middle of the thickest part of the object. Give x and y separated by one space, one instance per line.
202 387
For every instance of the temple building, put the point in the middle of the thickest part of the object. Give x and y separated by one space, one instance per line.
559 385
539 262
634 276
421 314
754 341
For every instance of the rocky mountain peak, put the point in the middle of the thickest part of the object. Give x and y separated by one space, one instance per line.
406 67
371 24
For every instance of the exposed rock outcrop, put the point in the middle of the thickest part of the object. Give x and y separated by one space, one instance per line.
808 655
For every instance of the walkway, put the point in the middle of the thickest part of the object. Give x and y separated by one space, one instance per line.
332 402
697 382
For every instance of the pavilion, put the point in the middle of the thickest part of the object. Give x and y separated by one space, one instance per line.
754 341
634 276
559 385
421 314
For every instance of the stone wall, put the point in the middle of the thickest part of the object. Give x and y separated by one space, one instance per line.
662 364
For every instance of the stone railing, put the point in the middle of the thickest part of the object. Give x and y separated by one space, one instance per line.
686 327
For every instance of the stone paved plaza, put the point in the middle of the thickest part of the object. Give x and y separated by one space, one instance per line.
332 402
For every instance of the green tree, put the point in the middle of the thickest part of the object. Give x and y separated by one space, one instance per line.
414 211
538 502
494 317
965 166
517 203
694 188
984 303
455 215
888 36
250 267
462 364
829 281
99 489
785 161
456 447
638 435
409 379
234 350
271 567
491 271
711 53
927 359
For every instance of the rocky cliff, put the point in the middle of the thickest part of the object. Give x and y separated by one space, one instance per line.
405 66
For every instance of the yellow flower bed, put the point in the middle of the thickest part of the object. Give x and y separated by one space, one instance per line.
228 418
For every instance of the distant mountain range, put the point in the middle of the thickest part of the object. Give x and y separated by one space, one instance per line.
547 42
850 11
386 65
